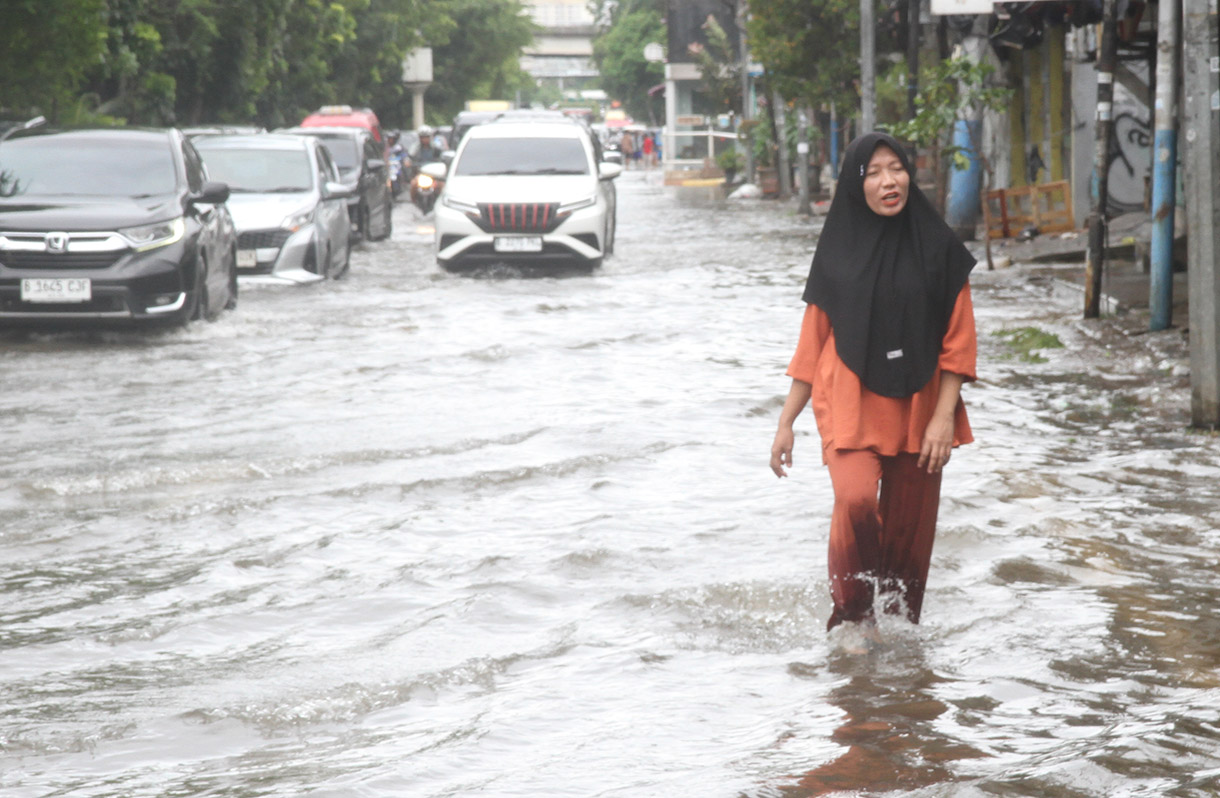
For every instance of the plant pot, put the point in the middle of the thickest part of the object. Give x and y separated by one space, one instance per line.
768 180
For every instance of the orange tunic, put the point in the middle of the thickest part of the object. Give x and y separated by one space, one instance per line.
850 416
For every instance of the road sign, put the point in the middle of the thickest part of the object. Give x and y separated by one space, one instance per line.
946 7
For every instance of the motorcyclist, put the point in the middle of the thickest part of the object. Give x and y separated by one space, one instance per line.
426 151
424 188
399 162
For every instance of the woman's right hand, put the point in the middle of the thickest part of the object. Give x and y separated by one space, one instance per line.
781 451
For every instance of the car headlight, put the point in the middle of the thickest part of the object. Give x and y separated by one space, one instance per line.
568 207
468 208
298 220
151 236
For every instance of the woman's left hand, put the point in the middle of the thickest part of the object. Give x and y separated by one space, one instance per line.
937 443
938 437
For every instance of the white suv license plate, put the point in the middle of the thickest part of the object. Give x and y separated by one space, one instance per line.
518 244
58 289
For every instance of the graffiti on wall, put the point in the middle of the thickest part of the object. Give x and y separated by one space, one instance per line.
1130 161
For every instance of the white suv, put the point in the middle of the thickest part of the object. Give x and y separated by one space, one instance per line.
529 193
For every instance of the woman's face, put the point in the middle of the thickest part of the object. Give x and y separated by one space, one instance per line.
886 182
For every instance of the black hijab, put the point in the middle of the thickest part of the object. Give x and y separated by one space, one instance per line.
888 284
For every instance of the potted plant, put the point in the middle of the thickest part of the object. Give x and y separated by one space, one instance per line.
731 161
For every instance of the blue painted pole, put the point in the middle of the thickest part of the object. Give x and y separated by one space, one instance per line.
962 206
1164 170
1161 247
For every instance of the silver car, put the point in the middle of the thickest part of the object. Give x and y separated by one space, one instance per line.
288 204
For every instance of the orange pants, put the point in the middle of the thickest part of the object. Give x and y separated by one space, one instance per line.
880 543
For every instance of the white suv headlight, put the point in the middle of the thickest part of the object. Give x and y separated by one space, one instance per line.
151 236
459 205
576 205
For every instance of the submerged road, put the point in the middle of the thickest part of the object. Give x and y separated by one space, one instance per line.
418 534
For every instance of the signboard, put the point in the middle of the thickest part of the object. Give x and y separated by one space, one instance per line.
691 120
653 51
947 7
417 66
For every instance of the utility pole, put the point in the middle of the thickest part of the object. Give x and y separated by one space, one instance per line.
1164 166
746 111
802 169
1201 68
868 66
1107 55
834 141
781 160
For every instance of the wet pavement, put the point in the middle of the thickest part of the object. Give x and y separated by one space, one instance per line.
419 534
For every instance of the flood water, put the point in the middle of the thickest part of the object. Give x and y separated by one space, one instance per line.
417 534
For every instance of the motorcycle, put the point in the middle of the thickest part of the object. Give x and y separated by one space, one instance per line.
400 169
424 189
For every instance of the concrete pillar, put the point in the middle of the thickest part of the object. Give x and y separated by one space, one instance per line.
417 105
1164 167
868 66
1201 121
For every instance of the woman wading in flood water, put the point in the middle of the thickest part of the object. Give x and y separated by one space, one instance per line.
887 340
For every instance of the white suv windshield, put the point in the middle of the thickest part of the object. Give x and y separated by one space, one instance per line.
532 156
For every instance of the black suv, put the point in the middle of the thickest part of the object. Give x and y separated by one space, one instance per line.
363 169
117 223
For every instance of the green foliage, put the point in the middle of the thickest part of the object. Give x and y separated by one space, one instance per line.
760 134
810 49
950 90
618 52
1027 341
475 56
720 68
730 160
258 61
46 48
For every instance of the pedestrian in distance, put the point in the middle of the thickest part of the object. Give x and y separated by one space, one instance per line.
649 151
886 343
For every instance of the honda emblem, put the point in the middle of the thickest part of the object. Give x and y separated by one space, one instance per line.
57 243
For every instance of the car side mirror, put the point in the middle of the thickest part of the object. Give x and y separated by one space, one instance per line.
436 171
213 193
333 190
608 171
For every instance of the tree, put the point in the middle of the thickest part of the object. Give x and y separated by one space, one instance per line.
268 62
618 52
721 69
475 55
46 49
952 90
809 48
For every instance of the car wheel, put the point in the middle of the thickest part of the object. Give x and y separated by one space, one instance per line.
232 303
389 220
197 297
366 223
347 261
